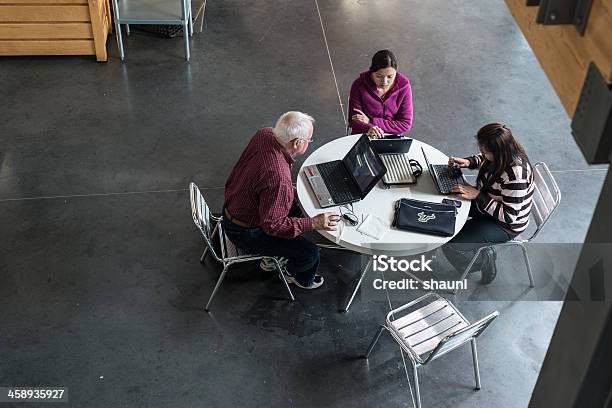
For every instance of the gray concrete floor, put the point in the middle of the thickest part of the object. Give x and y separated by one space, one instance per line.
102 290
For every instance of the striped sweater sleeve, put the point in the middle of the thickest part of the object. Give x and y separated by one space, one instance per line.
514 191
475 161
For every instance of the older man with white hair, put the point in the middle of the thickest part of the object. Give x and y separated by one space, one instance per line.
261 213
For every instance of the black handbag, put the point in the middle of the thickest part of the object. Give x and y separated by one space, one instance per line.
425 217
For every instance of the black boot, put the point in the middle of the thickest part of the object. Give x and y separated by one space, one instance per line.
489 268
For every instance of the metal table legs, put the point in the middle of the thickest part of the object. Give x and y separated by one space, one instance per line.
363 274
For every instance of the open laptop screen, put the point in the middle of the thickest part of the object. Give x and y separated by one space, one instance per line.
365 165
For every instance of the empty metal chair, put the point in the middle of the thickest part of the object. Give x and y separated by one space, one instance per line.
202 217
159 12
546 199
428 328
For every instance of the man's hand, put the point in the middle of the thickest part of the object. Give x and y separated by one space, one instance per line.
458 161
376 133
360 116
465 191
326 221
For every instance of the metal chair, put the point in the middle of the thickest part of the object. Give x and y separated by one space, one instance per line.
201 10
349 130
230 254
159 12
428 328
546 199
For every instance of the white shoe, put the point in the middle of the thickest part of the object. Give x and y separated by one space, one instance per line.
268 264
316 282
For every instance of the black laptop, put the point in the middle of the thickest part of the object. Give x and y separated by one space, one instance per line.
391 146
347 180
443 175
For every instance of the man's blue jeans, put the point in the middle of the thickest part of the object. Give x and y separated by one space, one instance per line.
302 254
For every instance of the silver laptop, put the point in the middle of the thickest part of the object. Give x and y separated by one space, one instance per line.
394 154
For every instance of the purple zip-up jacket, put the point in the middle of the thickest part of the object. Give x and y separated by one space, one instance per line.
393 113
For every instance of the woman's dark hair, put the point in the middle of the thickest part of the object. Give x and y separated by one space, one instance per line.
383 59
500 142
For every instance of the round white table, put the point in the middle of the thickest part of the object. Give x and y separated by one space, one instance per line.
380 202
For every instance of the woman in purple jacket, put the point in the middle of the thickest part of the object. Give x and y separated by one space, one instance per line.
381 99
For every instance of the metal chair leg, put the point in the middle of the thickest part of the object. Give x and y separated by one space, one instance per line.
120 41
186 32
417 393
363 273
374 341
185 28
204 254
203 8
127 29
468 268
118 31
190 20
186 16
214 292
475 360
528 264
281 275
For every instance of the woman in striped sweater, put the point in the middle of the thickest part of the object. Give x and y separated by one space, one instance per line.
501 200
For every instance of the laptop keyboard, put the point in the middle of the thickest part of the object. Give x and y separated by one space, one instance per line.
445 178
337 180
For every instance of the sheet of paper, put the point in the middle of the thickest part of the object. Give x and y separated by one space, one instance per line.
373 226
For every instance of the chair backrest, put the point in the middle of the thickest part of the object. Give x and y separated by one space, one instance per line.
461 336
228 249
546 195
200 212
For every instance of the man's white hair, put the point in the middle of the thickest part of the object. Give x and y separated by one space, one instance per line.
293 125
